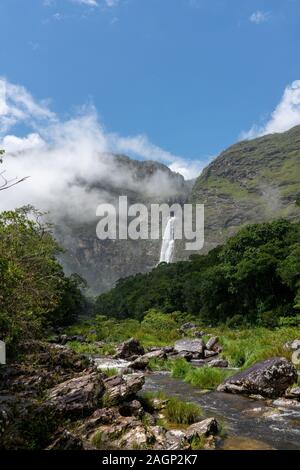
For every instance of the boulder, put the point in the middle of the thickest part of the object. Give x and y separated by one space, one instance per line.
175 440
140 363
222 363
66 441
208 354
131 347
136 438
293 392
205 428
292 345
120 388
213 341
194 346
296 357
77 396
269 378
131 408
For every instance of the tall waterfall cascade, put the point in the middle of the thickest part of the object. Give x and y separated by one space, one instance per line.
168 242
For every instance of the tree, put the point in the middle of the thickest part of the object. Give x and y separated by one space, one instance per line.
4 182
31 279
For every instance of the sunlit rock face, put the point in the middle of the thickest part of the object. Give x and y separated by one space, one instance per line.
251 182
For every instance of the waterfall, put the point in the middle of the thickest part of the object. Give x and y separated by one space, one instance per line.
167 247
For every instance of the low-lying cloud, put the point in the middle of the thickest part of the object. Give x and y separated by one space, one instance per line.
70 163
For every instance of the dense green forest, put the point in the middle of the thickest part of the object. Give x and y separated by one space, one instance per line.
253 278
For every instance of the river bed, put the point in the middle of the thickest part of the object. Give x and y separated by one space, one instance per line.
249 423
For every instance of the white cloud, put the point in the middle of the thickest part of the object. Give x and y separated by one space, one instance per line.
65 159
91 3
111 3
17 105
285 116
259 17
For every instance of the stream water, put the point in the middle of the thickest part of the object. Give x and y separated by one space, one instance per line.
249 423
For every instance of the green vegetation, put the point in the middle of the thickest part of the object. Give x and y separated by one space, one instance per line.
180 412
206 378
35 293
253 279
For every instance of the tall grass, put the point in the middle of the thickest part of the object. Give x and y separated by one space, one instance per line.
180 412
206 377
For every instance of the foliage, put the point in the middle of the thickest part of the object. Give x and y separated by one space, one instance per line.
34 290
206 377
180 412
253 278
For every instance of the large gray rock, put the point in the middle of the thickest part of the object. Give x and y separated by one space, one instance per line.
175 440
222 363
269 378
194 346
131 347
205 428
213 341
77 396
120 388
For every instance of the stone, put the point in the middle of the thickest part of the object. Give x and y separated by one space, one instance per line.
286 403
129 348
137 438
292 345
293 392
208 353
175 440
188 326
157 354
120 388
77 396
140 363
204 428
212 342
66 441
194 346
222 363
131 408
269 378
296 357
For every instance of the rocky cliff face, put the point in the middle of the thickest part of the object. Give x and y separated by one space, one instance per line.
253 181
103 262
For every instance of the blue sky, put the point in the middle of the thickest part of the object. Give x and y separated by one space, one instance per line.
189 75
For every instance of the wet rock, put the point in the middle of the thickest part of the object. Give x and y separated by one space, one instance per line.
286 403
212 342
131 408
77 396
293 392
194 346
131 347
120 388
205 428
175 440
66 441
222 363
269 378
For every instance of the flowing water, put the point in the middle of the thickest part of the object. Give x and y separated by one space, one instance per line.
167 247
249 424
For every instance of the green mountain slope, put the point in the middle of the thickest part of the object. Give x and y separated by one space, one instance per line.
252 181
